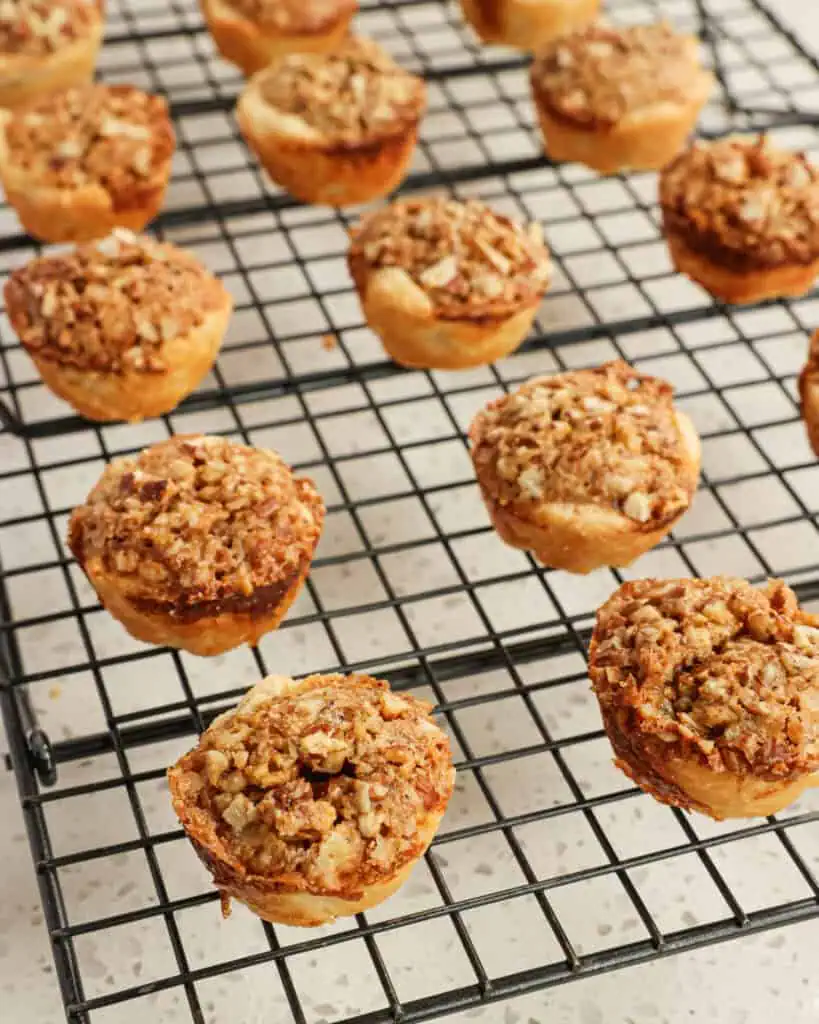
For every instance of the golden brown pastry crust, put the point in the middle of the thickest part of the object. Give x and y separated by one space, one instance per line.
122 330
253 42
77 164
742 218
587 468
47 46
809 393
314 798
337 128
709 691
527 24
447 284
617 99
198 542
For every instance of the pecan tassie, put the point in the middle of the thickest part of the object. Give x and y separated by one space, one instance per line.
710 692
355 94
600 74
469 260
743 202
115 136
313 798
112 305
40 27
607 436
195 534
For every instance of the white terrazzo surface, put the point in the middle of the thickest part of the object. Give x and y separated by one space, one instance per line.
771 976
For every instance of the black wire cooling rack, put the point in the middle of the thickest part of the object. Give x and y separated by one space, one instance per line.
549 866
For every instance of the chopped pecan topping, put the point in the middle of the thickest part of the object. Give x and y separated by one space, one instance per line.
744 202
353 94
607 436
469 260
199 519
36 28
328 779
304 17
598 75
711 668
111 306
115 136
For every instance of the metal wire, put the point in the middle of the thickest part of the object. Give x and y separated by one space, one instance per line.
614 295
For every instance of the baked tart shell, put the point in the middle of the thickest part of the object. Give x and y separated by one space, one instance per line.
740 287
325 173
207 629
243 43
24 78
133 395
524 24
282 901
580 538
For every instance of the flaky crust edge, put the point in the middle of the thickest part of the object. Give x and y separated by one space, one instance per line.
317 172
133 395
207 634
526 25
580 538
84 214
680 777
24 78
242 42
414 335
288 902
739 287
645 141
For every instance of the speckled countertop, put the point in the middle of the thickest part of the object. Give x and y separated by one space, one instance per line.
771 976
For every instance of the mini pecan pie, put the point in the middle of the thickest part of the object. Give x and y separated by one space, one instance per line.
47 45
742 218
314 798
336 128
587 468
809 393
122 329
619 98
448 284
526 24
198 542
709 691
78 163
251 33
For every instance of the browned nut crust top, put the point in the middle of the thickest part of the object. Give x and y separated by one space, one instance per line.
597 75
302 17
199 519
355 94
37 28
470 261
318 785
111 306
606 436
743 202
712 670
115 136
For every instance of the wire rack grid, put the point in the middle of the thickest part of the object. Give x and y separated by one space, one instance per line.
550 865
